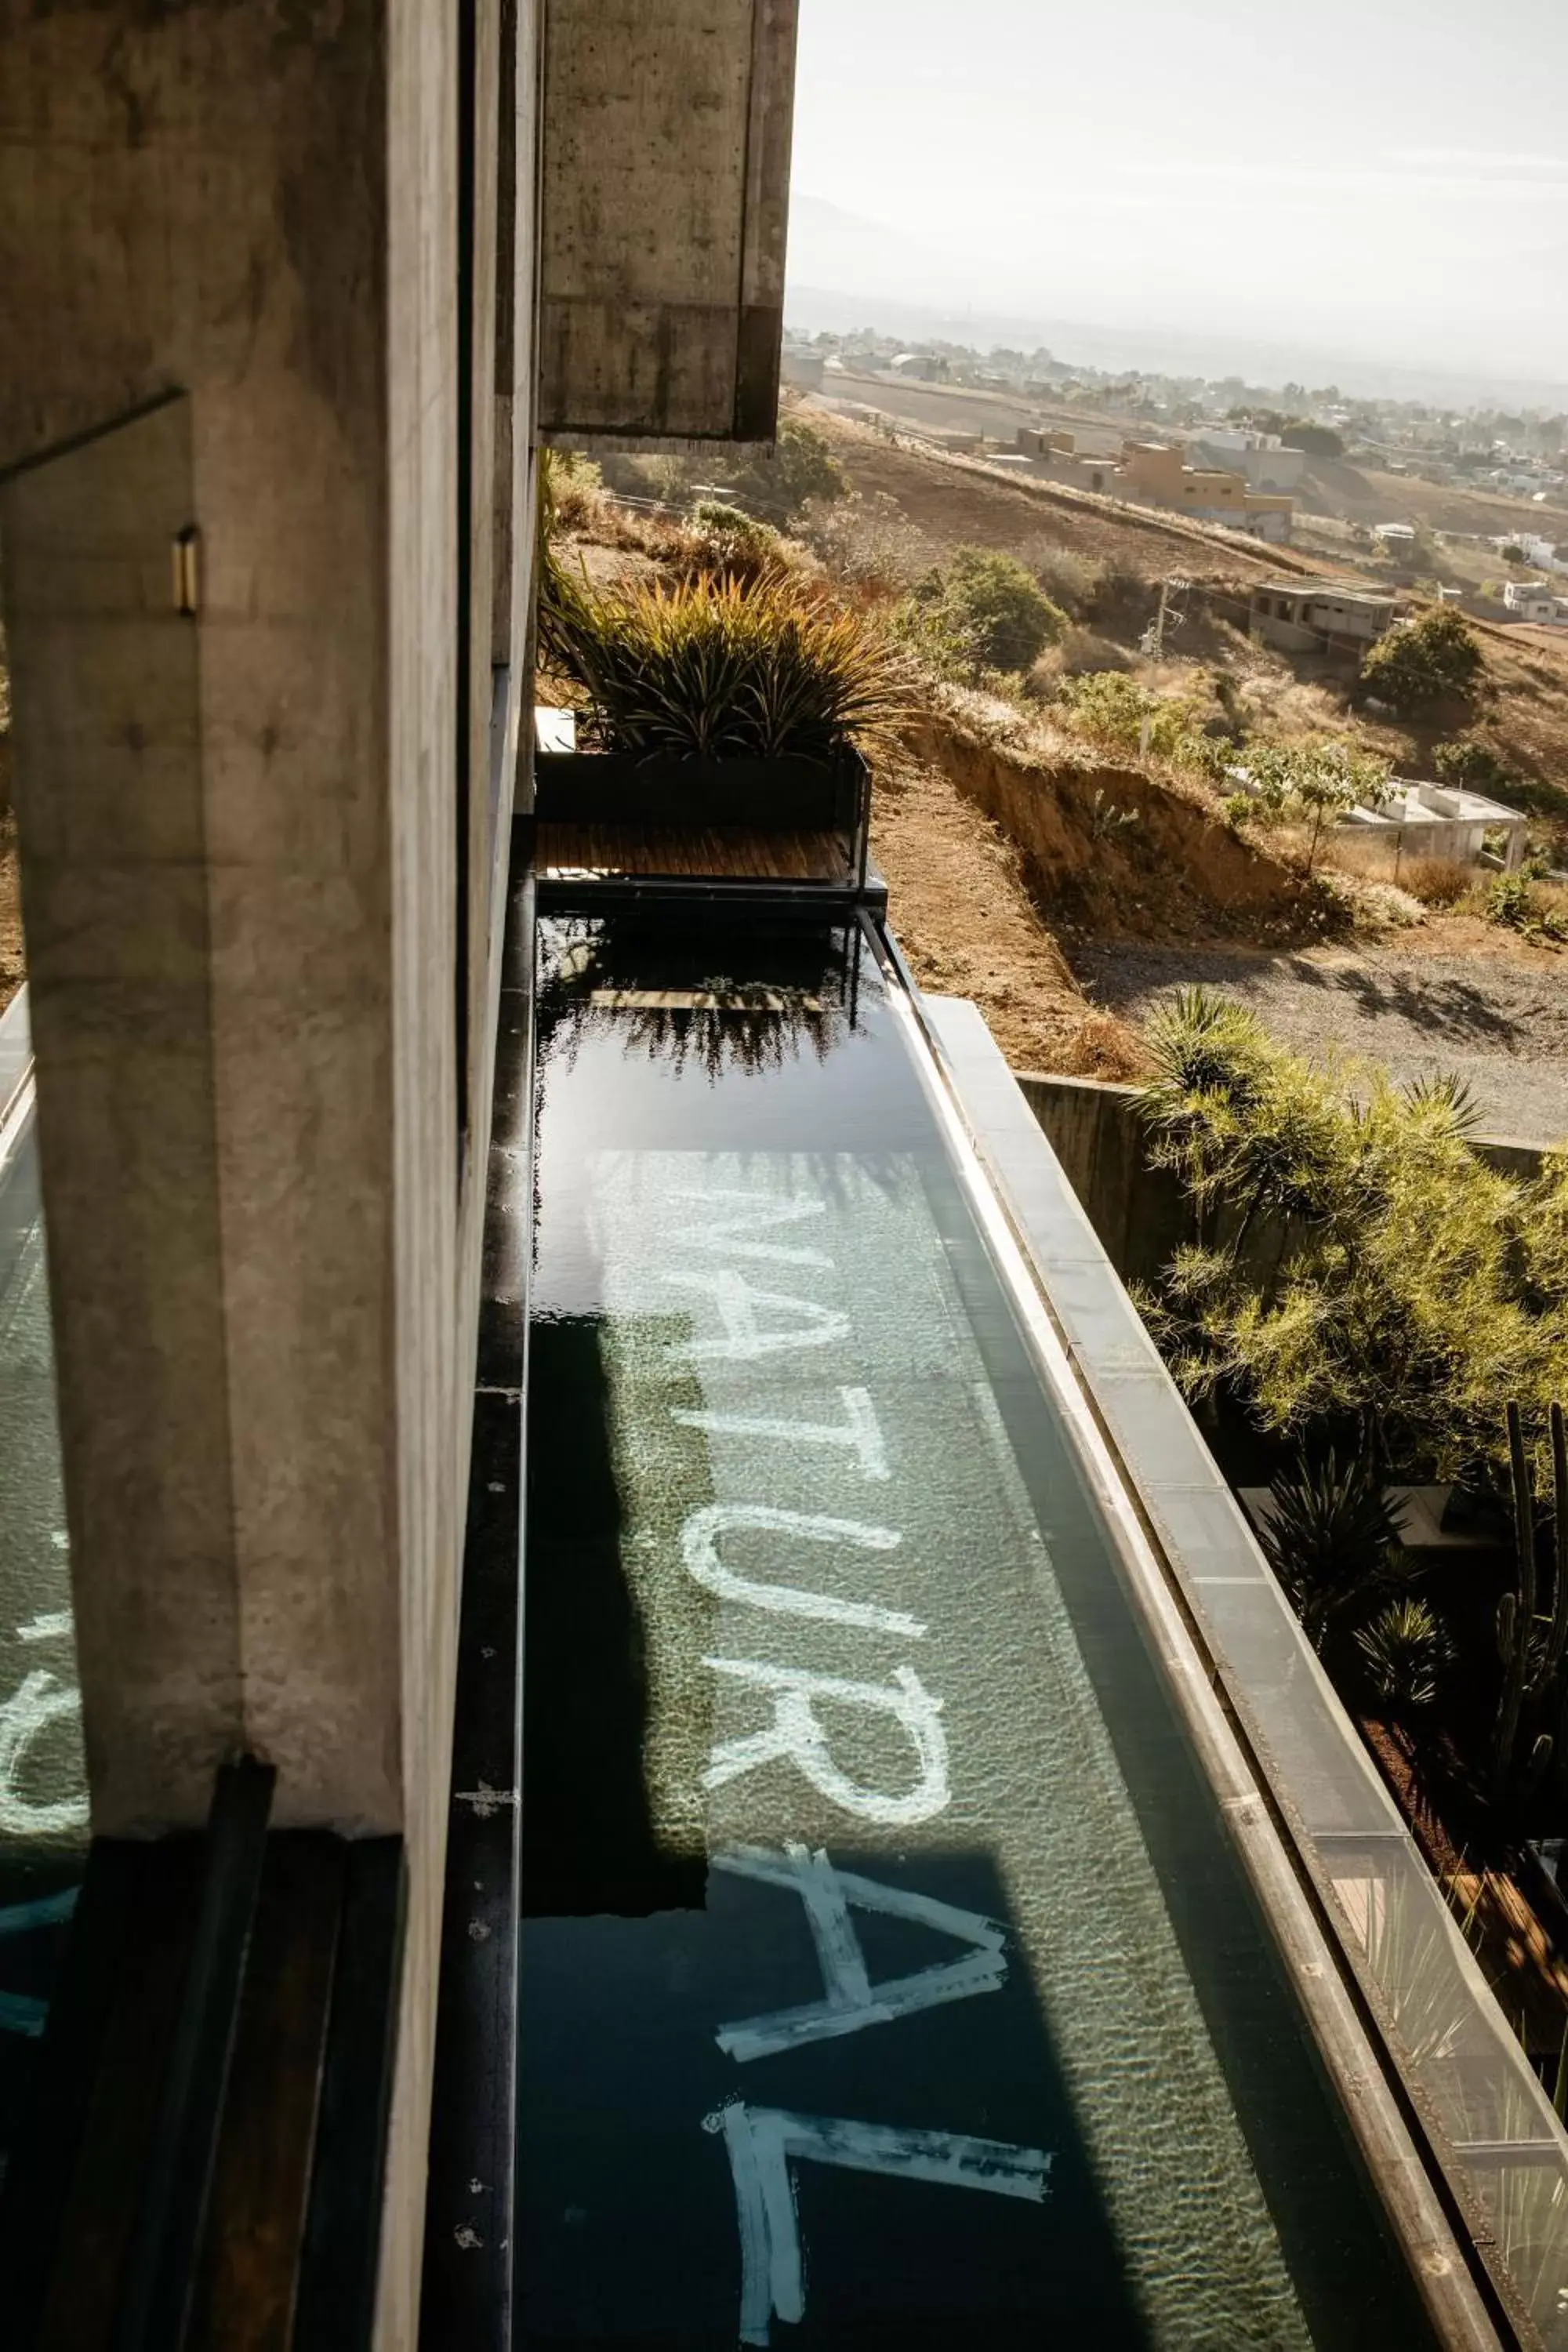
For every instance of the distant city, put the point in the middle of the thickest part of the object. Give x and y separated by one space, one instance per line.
1520 450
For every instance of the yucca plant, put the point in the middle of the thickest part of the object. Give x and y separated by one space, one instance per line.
1405 1654
1331 1538
724 669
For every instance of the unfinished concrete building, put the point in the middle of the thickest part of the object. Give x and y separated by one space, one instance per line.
1337 619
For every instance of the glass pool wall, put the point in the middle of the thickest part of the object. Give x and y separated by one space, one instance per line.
43 1788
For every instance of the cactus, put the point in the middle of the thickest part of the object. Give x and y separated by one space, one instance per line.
1531 1648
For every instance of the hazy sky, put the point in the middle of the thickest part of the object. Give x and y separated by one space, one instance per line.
1379 177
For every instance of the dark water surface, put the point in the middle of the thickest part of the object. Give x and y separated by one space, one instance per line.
886 1977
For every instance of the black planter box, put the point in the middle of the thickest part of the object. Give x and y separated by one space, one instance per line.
770 796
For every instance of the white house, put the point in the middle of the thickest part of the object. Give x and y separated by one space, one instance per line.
1540 552
1531 600
1421 819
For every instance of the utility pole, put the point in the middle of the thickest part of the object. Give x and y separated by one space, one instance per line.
1152 642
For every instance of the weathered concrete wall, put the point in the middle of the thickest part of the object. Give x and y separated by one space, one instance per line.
264 1251
198 198
666 181
119 925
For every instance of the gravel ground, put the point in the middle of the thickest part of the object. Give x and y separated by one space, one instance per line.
1501 1024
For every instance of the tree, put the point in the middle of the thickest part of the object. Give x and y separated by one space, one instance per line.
775 483
1359 1267
1422 664
1323 778
1466 761
1319 440
987 610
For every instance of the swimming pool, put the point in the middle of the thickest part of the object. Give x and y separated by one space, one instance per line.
888 1975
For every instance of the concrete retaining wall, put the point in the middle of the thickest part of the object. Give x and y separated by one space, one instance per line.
1139 1213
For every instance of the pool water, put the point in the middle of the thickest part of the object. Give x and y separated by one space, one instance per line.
887 1976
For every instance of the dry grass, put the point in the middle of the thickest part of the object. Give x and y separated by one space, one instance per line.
1437 881
1082 651
869 544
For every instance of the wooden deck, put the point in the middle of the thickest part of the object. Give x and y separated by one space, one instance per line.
579 852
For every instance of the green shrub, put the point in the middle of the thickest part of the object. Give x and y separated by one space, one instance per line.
1406 1285
1111 707
1213 756
775 483
1515 903
1238 810
722 522
722 668
1422 664
1465 761
732 542
986 611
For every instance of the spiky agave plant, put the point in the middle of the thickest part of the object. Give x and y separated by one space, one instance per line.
1331 1537
1205 1045
1406 1653
1446 1100
767 668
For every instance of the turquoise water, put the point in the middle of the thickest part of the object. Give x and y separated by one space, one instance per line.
887 1978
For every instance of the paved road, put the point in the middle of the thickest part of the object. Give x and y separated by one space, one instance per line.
1502 1025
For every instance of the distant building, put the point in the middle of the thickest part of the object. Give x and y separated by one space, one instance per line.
1156 472
1261 458
801 364
1531 600
1322 616
1043 440
1394 534
1540 553
1421 819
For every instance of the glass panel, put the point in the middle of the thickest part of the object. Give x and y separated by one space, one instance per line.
43 1792
865 1860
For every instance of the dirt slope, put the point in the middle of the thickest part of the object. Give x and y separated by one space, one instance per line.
1497 1021
965 918
1336 487
955 501
1108 851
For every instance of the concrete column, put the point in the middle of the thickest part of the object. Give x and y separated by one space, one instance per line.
240 848
665 186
